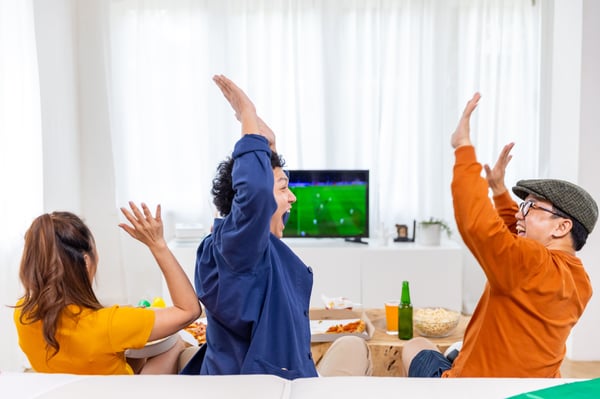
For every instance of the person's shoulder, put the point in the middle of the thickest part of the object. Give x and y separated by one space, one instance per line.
566 257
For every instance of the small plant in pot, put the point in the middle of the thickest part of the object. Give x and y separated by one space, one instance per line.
430 231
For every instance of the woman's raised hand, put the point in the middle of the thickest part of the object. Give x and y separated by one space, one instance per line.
144 227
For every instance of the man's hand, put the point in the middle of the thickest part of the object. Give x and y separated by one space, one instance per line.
495 176
244 109
462 134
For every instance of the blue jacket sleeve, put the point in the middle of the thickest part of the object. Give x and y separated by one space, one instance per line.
244 233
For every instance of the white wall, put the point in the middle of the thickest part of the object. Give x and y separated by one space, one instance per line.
560 117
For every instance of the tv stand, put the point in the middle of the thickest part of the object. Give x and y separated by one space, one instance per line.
357 240
372 274
367 274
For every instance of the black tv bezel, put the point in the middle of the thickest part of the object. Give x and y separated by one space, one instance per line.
361 173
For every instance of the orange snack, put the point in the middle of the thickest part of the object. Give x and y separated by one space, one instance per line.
357 326
198 331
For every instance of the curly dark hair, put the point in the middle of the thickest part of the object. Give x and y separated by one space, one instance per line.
222 188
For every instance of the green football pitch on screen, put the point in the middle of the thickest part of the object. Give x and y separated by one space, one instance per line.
328 211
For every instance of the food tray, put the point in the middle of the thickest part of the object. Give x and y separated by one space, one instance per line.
322 319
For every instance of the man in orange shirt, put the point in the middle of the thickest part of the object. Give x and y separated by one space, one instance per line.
536 289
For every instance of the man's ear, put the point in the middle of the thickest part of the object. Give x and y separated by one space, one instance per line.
563 228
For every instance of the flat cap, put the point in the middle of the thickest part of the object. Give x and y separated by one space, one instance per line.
567 197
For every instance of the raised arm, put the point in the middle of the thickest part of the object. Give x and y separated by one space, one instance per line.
462 135
148 230
505 206
245 111
265 130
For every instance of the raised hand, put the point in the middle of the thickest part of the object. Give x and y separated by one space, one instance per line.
244 109
495 176
144 227
238 100
462 134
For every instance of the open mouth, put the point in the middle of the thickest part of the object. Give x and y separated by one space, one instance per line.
520 230
285 217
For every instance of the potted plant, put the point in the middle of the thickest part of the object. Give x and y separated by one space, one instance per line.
430 231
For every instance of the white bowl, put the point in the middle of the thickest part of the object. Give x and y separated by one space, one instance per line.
153 348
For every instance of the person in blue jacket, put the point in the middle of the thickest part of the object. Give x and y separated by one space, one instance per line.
255 290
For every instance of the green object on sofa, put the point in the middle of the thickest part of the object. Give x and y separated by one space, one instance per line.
580 390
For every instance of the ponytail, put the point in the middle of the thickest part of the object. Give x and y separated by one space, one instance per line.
53 271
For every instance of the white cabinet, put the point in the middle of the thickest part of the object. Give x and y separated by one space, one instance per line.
369 274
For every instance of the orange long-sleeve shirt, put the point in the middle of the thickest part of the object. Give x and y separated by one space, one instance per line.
533 295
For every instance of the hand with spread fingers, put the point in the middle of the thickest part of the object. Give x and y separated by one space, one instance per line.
495 176
144 227
148 229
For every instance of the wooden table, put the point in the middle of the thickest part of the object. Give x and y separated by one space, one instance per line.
386 350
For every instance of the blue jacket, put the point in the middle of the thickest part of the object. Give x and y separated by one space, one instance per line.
255 290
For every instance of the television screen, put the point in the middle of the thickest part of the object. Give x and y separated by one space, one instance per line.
329 203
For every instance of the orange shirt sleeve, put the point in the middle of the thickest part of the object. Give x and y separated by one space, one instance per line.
507 209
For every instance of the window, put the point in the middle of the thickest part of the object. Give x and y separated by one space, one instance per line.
375 85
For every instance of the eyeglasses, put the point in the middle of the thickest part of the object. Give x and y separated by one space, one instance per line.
526 206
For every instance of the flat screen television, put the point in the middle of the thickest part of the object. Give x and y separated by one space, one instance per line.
329 203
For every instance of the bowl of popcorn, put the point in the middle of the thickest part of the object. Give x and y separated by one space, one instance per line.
435 322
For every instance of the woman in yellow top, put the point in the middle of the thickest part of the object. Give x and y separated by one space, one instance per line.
62 326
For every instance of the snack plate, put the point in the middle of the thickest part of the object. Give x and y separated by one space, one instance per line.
321 320
189 338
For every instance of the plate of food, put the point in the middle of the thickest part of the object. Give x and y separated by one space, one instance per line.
329 330
195 333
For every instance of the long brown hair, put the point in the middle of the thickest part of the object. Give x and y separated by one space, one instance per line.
54 272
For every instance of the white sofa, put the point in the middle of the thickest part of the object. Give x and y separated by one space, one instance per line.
46 386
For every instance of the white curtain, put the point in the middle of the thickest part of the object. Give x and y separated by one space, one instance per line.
374 84
20 159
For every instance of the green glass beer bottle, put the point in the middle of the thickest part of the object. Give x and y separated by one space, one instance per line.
405 314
